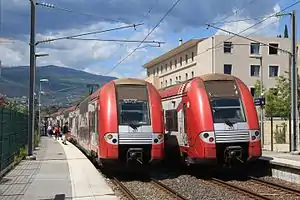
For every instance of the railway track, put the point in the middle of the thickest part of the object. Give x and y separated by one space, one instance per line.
154 182
283 189
167 189
241 190
275 191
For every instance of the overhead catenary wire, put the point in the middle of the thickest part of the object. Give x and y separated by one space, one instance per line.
89 33
252 26
117 40
236 11
159 22
52 6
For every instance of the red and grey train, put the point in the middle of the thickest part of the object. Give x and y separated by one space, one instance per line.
211 119
120 122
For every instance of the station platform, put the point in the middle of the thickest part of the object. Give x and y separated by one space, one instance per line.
282 159
59 172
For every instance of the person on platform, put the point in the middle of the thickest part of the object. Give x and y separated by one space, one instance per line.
65 132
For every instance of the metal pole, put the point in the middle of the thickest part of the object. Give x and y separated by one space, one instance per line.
39 126
294 99
31 78
261 96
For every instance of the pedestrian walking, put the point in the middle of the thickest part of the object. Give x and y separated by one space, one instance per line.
49 130
65 133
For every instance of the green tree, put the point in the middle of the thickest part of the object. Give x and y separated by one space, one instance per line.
277 99
286 32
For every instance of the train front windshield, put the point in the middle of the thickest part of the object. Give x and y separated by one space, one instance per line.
227 109
133 105
133 111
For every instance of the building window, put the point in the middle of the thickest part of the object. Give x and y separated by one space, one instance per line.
176 78
166 83
179 78
252 90
186 76
273 71
180 61
227 68
192 56
254 70
192 74
227 47
148 73
170 65
161 69
171 120
175 63
170 81
273 49
186 58
161 84
254 48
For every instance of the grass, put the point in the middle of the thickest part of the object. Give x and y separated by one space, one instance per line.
20 155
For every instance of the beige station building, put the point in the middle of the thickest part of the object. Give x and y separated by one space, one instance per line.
222 54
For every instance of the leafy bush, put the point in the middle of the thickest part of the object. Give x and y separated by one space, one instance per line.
280 132
20 155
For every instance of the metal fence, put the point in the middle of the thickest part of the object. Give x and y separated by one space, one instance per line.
13 135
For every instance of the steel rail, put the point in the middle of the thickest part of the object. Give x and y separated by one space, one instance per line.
239 189
124 189
167 189
275 185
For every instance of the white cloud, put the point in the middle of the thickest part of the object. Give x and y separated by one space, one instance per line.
74 53
268 27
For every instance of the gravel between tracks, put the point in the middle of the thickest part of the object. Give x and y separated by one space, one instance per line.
265 190
145 190
193 188
281 182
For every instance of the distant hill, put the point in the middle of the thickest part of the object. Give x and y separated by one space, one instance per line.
65 84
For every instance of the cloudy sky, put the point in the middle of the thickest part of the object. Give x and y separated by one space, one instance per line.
70 17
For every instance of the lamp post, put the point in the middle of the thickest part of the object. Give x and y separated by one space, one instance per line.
261 95
40 93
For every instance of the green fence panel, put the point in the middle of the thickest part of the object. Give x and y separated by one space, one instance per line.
13 135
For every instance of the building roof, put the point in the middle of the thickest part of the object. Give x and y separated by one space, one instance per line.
173 52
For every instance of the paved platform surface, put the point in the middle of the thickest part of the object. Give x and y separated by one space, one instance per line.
60 172
283 159
87 182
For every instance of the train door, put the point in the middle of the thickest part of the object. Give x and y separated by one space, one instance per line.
184 124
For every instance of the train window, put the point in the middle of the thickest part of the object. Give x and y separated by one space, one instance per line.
134 112
171 120
133 105
227 109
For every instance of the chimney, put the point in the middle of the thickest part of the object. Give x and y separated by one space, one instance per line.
180 41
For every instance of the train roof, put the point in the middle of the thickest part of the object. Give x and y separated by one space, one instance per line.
130 81
178 88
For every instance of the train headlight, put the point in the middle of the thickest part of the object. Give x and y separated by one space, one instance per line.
254 135
207 137
111 138
158 138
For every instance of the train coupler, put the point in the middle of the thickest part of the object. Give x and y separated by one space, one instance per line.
135 154
233 153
